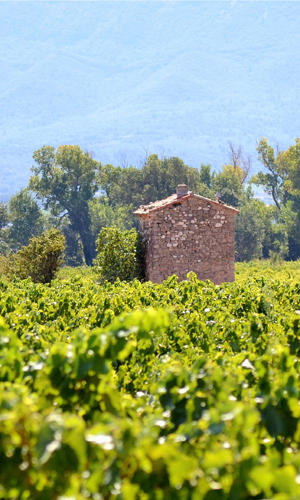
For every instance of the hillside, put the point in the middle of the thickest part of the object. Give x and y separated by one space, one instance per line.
128 78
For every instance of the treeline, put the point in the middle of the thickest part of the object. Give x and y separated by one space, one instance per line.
71 191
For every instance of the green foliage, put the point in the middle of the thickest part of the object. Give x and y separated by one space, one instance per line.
259 231
120 255
282 181
70 272
26 218
249 232
3 215
41 259
105 215
275 179
157 179
206 177
66 180
141 391
81 197
4 219
229 183
73 252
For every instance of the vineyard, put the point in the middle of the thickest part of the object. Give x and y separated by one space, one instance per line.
138 391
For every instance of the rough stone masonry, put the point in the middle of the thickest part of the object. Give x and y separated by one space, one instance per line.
187 232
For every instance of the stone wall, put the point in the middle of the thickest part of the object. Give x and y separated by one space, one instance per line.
190 235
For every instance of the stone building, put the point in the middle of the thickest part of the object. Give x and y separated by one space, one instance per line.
187 232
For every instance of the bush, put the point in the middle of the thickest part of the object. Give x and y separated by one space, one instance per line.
120 255
40 260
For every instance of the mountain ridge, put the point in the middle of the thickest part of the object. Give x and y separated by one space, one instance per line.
122 78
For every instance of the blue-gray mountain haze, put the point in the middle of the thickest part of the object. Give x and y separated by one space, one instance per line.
126 79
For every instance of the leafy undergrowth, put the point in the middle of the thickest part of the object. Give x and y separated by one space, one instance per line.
243 271
277 270
150 392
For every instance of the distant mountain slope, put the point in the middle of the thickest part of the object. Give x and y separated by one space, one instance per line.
128 78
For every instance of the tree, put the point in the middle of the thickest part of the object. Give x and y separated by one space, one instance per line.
238 159
281 179
162 176
157 179
249 232
229 183
120 255
73 253
104 215
4 220
65 180
40 259
26 218
275 179
290 164
206 178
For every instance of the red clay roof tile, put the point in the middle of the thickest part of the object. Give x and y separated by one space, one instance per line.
166 202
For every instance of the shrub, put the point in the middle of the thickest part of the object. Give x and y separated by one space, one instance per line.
5 265
120 255
41 259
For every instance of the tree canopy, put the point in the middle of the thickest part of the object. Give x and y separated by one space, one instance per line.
281 179
26 218
71 191
65 180
157 179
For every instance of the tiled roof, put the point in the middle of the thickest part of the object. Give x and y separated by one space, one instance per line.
166 202
157 205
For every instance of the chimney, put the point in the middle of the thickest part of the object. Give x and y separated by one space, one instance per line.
217 197
181 190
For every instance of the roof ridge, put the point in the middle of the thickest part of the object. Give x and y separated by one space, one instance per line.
165 202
